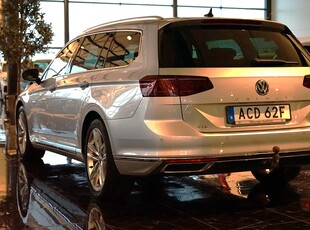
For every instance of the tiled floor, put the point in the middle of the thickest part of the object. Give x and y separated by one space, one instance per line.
54 195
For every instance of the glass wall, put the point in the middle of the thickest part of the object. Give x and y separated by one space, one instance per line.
86 13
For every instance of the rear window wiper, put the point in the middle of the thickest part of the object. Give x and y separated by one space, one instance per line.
272 62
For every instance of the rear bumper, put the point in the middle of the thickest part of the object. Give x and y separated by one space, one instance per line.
194 166
175 148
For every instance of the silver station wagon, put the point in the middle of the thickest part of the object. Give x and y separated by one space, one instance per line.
182 96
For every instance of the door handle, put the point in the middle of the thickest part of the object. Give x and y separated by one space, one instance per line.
84 84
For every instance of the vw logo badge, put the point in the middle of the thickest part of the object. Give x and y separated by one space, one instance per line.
262 87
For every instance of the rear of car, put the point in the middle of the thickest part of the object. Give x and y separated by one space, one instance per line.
230 95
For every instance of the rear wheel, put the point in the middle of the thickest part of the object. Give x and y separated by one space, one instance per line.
103 178
278 175
26 150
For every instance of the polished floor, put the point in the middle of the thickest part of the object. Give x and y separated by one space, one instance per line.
53 194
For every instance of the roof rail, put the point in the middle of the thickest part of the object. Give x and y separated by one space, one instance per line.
125 20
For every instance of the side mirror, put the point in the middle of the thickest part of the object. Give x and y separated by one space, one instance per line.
31 75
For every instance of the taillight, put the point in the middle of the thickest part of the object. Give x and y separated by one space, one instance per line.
306 82
173 85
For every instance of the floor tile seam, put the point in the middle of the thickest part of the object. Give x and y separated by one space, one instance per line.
266 224
291 217
191 217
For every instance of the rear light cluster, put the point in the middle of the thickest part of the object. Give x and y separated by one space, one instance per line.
306 82
173 85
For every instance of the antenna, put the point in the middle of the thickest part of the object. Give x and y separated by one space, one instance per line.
210 14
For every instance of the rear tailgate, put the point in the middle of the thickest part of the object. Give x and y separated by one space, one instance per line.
235 103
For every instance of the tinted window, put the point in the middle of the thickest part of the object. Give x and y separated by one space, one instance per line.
60 63
92 53
124 49
224 46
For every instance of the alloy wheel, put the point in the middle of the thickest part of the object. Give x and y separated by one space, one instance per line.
23 190
96 159
22 133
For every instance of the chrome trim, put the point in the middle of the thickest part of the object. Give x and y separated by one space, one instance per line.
75 153
244 162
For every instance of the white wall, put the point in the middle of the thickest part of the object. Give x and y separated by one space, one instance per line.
295 14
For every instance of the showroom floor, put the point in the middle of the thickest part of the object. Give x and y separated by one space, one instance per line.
53 194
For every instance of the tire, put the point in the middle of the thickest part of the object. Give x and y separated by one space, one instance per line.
103 177
25 149
277 176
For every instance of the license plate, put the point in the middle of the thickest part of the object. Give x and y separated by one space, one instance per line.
258 114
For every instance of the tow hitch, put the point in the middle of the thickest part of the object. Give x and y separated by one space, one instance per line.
276 156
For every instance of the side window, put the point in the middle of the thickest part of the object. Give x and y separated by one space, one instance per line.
92 53
124 49
60 63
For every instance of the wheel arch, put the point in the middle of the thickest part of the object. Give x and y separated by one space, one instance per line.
91 116
17 106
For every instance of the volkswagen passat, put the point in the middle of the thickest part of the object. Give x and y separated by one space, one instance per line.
154 96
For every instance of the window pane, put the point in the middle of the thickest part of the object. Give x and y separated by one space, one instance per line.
124 49
243 3
142 2
197 12
60 64
49 8
226 13
225 46
157 2
237 13
91 49
268 45
207 3
197 45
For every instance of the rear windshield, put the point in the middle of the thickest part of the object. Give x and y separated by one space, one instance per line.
226 46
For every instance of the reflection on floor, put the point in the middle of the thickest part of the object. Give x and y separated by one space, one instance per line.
53 194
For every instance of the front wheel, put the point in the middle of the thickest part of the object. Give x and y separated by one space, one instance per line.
26 150
103 178
278 175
